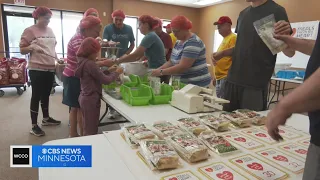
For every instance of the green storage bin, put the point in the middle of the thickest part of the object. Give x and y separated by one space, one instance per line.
110 86
145 80
136 96
164 97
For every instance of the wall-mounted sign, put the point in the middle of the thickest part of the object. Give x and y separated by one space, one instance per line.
20 2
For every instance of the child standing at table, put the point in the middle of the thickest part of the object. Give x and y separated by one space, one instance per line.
91 80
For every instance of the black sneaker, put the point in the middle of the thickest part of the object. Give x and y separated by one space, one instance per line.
37 131
50 122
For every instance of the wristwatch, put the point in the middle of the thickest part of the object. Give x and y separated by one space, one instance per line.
161 72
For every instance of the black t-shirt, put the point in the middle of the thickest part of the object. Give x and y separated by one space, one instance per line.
252 61
313 65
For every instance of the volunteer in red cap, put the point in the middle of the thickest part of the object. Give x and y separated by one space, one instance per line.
91 78
165 38
39 41
222 66
151 46
169 31
90 26
188 58
120 33
91 12
252 61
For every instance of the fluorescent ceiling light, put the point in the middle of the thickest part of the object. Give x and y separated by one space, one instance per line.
206 2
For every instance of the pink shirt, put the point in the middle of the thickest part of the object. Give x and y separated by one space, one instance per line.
73 46
42 39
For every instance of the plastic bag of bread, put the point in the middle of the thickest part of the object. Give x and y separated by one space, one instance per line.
265 29
17 71
59 70
4 74
220 124
137 132
164 129
189 147
159 154
255 117
192 125
237 119
217 143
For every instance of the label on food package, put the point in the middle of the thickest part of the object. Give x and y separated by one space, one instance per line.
243 141
305 142
295 149
258 168
288 162
260 135
220 171
187 175
285 133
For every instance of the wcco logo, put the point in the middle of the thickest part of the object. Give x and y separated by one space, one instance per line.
20 156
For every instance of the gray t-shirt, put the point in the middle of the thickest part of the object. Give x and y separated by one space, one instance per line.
252 61
124 36
154 50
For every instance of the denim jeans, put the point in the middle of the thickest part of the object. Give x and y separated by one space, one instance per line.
220 87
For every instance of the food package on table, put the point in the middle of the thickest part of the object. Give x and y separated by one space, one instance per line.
192 125
159 154
155 84
255 117
175 82
189 147
217 143
164 129
137 132
220 124
237 119
17 71
4 74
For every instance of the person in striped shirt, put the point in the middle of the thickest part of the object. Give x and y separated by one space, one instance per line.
188 58
90 26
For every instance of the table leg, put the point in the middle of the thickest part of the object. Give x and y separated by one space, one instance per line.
269 91
106 110
278 90
104 115
274 94
283 86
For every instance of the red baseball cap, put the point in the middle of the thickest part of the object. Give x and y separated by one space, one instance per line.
167 26
222 20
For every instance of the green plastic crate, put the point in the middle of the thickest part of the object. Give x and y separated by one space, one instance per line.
136 96
145 80
164 97
110 86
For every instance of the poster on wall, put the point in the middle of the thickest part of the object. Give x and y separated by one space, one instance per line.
303 30
20 2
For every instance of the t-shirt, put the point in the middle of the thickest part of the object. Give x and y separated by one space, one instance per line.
223 65
124 36
73 46
193 48
154 50
42 39
313 65
252 61
167 42
173 38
